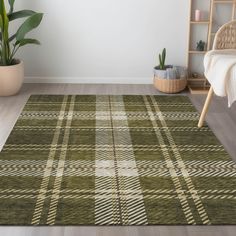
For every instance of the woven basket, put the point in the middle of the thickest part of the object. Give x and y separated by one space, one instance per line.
170 85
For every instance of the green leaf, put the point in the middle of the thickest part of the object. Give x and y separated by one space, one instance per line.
31 23
12 38
1 27
20 14
11 3
160 61
164 57
5 50
24 42
1 23
5 22
2 7
5 28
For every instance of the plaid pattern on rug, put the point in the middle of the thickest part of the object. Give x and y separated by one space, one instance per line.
114 160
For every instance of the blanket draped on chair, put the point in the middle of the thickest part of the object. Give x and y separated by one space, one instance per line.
220 71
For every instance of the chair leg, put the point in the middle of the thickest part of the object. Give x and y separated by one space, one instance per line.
206 107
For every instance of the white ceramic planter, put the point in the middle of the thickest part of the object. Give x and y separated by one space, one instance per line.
11 78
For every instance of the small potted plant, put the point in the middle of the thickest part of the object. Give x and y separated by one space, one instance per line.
201 45
168 78
11 68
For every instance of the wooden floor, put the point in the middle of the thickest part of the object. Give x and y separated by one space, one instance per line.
221 120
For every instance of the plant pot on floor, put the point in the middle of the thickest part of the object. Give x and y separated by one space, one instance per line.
171 80
11 69
11 78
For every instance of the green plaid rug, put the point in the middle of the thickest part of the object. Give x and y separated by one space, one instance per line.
114 160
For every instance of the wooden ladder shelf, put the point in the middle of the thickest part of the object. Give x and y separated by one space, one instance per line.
203 87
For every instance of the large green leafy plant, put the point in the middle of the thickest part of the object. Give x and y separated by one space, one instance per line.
10 44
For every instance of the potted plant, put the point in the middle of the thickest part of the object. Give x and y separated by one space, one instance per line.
168 78
201 45
11 68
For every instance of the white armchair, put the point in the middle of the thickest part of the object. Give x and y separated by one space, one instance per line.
225 39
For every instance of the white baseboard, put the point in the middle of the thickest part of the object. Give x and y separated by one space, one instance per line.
89 80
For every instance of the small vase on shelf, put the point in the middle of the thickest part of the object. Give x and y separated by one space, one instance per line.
197 15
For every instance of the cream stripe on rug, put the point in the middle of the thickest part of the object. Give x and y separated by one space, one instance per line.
47 172
116 169
60 168
179 190
198 203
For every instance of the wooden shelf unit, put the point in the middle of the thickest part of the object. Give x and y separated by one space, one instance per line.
224 1
197 52
203 88
198 90
199 22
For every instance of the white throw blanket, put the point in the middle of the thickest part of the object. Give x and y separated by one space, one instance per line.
220 71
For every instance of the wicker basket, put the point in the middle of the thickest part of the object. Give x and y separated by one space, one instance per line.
170 85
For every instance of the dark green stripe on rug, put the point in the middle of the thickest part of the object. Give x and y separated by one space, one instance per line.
114 160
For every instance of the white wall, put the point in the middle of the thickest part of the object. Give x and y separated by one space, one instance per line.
105 40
